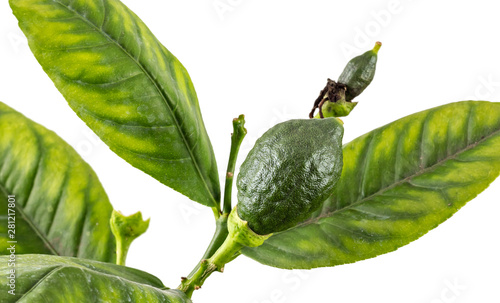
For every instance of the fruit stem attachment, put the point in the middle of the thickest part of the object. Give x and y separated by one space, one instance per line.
240 235
331 102
239 132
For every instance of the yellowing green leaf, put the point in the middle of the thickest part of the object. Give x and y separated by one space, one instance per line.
41 278
127 87
60 205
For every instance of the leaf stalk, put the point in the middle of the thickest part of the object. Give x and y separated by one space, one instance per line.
220 235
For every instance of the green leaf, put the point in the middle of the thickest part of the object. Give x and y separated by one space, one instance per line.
61 207
42 278
128 88
399 181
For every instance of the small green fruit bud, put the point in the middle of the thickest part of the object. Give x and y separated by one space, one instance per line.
359 72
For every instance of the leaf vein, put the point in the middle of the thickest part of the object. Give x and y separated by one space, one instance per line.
58 203
50 273
113 122
112 83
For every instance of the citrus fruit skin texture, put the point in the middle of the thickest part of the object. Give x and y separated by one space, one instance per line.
289 172
359 73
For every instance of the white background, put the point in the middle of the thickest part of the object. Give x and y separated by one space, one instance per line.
269 60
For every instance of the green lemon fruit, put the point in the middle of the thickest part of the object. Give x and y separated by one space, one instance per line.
289 172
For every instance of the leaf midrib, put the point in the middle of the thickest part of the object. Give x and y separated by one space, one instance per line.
382 190
31 224
50 273
3 190
160 91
